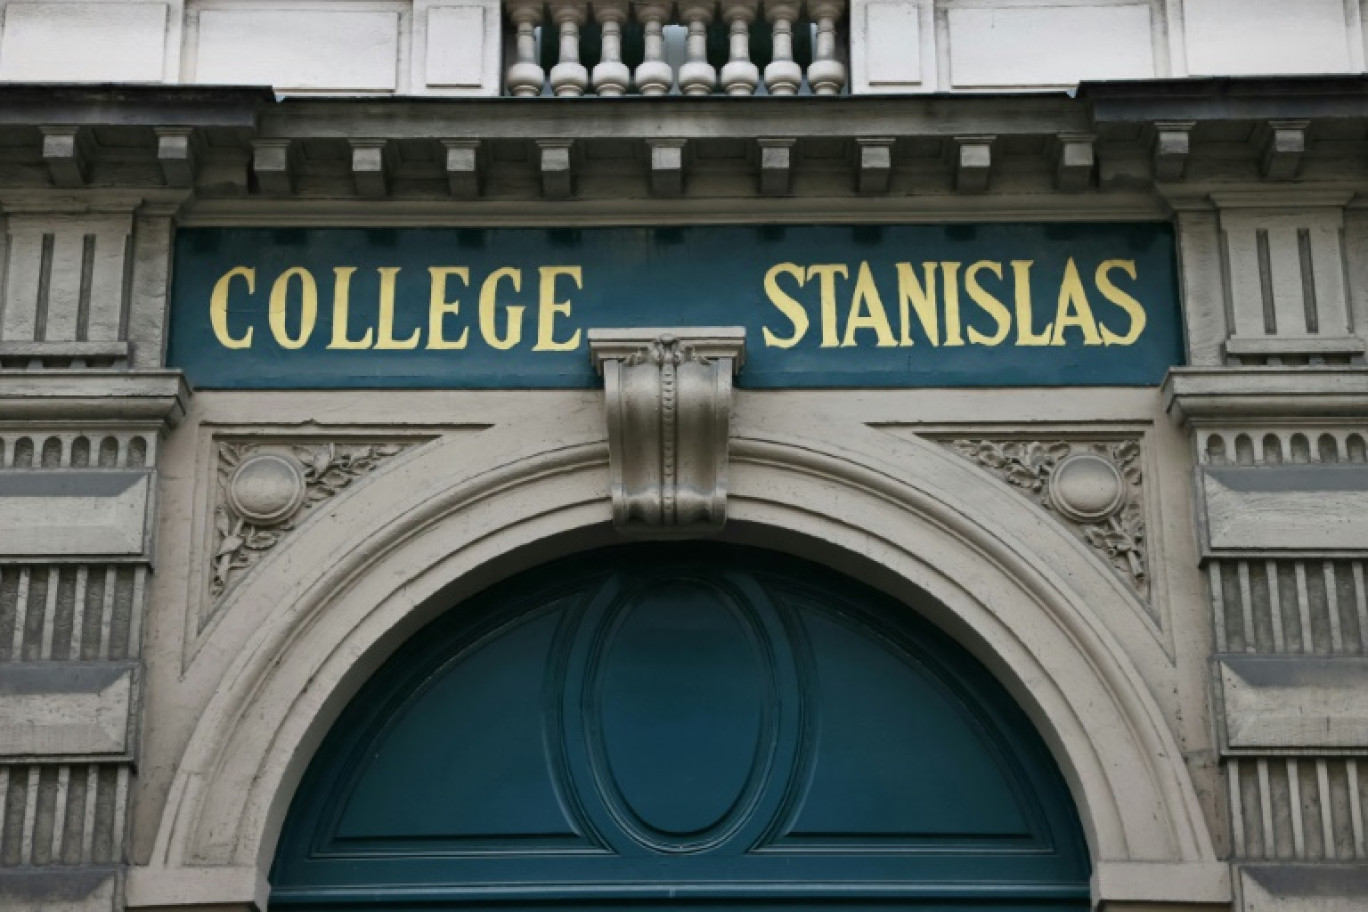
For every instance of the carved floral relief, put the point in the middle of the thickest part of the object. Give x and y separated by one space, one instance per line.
1093 488
265 490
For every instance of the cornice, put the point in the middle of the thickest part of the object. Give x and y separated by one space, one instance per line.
1218 394
1168 141
153 397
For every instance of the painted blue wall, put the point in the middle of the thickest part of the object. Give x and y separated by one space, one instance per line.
682 725
1001 305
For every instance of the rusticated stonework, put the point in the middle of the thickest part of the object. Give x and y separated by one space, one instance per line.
265 490
1092 487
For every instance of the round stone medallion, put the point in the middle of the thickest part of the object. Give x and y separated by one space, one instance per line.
267 488
1086 487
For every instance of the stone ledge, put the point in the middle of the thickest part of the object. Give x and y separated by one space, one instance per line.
1215 393
94 395
186 888
1120 885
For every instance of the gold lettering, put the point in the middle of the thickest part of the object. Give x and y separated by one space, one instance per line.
827 273
1074 309
548 307
919 297
796 313
1121 299
489 291
1025 320
218 307
867 312
991 305
439 307
341 304
952 304
388 275
308 307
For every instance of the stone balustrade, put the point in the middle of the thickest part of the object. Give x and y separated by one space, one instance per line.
611 48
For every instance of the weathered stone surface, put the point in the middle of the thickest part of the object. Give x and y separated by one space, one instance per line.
60 708
1294 702
75 513
1285 508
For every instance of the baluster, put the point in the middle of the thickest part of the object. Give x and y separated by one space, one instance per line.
569 78
525 76
653 75
611 76
783 76
739 75
826 74
697 76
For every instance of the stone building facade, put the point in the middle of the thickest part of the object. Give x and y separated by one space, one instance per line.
203 558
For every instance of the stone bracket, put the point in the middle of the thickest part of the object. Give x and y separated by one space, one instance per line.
668 397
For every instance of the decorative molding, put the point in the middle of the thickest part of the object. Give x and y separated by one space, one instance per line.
1092 488
668 398
265 490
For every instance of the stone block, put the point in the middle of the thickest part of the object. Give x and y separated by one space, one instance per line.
74 513
59 889
1303 888
1285 508
83 42
1294 702
56 708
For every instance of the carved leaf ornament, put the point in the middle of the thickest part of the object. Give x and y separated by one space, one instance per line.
1094 489
266 490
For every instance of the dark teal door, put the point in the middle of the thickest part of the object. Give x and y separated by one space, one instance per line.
675 727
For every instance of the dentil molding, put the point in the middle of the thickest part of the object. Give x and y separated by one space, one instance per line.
668 398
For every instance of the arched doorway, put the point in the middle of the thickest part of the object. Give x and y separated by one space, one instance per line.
683 725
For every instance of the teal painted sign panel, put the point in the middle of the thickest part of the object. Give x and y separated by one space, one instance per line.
822 305
682 725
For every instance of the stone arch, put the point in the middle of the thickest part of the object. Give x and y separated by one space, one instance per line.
1020 593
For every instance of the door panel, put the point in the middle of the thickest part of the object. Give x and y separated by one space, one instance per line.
667 724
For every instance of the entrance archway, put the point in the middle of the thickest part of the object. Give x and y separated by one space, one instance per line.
699 723
313 622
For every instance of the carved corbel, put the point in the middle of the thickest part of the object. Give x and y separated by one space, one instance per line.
668 397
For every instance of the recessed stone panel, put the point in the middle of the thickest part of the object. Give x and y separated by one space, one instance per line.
83 42
461 48
890 32
1049 45
1247 37
299 49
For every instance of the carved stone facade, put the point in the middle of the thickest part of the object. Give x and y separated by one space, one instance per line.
1173 581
